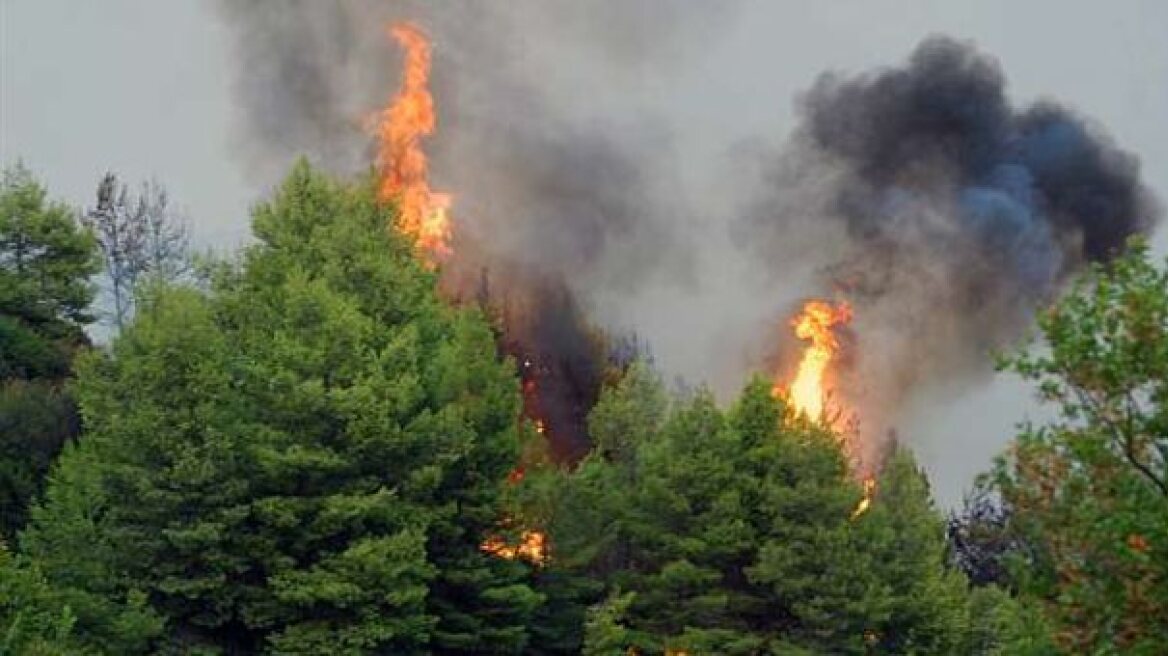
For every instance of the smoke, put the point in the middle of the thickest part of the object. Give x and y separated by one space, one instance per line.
566 199
942 212
561 168
946 215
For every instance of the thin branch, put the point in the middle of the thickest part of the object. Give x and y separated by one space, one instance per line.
1122 439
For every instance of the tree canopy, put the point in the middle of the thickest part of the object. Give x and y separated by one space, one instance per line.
46 261
306 449
1088 491
302 458
735 532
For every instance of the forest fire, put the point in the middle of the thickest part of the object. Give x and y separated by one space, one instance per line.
402 164
808 392
866 502
532 547
816 323
423 216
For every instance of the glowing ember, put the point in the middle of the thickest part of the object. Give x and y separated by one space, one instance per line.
422 212
866 502
816 324
532 547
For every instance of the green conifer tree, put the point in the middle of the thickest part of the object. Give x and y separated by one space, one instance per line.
302 459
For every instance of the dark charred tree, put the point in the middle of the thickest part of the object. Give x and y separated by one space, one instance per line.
980 542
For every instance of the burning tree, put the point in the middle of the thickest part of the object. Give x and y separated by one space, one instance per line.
735 532
410 116
816 324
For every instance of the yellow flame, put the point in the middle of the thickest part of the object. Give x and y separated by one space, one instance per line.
866 502
816 323
532 547
410 116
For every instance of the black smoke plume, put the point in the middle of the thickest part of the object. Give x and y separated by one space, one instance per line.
944 213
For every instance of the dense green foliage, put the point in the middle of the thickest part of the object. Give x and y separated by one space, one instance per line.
34 623
305 453
1089 490
46 261
36 419
303 459
733 532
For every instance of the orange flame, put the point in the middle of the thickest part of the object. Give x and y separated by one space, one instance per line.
866 502
816 323
532 547
422 212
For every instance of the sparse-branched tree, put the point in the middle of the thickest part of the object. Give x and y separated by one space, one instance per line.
141 236
979 543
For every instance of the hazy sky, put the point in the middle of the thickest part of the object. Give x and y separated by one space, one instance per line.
143 87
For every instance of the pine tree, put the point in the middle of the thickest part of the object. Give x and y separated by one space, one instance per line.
926 608
31 620
304 458
734 533
46 261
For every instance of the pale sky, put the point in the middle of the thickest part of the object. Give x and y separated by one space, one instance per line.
143 87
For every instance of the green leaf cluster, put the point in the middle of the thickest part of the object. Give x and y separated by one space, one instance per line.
1089 489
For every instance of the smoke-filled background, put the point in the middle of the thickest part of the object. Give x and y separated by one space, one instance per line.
945 214
687 174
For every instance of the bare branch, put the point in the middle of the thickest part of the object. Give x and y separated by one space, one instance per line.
140 237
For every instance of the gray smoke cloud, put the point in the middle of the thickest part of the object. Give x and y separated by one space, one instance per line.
544 155
567 202
943 213
550 163
920 193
